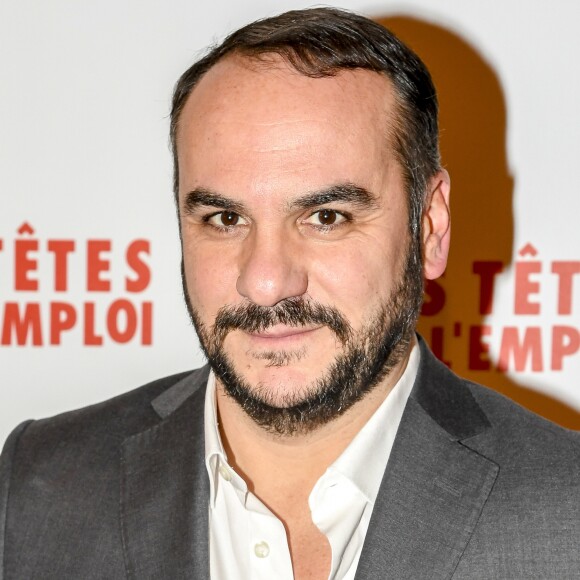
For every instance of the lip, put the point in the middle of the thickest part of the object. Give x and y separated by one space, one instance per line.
282 332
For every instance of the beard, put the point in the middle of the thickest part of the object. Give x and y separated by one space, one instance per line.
366 358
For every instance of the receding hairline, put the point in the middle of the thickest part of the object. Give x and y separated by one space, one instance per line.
392 107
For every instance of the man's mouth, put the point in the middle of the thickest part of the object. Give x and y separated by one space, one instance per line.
282 333
288 321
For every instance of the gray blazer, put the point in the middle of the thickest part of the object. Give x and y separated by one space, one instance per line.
475 488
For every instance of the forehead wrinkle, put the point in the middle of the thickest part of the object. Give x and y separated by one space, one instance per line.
283 135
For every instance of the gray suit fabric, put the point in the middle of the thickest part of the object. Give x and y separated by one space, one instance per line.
475 488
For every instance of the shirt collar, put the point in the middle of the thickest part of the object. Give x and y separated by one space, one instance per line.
215 455
364 461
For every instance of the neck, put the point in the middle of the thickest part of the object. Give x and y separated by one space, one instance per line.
276 465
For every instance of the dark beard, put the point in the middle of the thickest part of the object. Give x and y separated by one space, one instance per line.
368 355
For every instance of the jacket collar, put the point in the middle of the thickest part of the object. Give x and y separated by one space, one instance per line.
446 398
434 487
165 489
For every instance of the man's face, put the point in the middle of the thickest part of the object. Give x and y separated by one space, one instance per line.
295 237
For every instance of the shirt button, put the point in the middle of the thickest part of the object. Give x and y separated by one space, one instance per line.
225 472
261 549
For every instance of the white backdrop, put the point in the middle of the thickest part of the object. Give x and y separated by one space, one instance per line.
84 162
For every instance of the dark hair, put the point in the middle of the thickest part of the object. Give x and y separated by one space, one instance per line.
320 42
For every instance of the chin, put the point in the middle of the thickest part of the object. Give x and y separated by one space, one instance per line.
280 385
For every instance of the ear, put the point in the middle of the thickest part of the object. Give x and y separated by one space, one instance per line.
436 225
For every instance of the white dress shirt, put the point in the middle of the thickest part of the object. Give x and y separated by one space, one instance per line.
248 542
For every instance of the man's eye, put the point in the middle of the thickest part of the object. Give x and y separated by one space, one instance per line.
226 219
326 217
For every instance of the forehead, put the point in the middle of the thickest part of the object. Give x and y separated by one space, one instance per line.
255 118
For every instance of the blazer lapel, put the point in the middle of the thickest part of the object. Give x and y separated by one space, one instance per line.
165 489
434 486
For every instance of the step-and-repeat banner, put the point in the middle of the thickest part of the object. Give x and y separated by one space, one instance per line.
90 294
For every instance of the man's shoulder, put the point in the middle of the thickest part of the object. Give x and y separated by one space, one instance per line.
533 500
531 452
520 435
534 505
105 424
491 424
62 479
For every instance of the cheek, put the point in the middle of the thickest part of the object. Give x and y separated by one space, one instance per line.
354 278
210 278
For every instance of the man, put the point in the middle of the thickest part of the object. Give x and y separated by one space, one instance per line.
326 441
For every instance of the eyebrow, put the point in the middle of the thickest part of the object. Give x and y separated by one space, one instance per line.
341 193
201 196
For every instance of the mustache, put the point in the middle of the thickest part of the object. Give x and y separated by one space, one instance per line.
296 312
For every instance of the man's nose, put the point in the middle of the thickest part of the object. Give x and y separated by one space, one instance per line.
271 269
